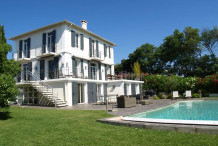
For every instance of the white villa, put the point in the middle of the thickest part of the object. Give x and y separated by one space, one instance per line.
64 64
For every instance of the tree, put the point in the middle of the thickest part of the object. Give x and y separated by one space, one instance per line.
210 39
181 50
8 70
136 68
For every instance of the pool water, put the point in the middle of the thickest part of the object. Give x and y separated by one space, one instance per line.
185 110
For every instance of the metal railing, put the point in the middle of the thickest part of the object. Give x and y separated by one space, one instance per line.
96 54
47 50
127 76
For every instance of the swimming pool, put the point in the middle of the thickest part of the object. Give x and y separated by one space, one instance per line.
185 112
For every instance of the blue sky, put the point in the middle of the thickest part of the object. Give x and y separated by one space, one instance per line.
129 24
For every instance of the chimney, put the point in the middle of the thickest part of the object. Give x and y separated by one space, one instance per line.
84 24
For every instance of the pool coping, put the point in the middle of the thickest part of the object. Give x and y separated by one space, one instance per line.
176 126
171 121
208 129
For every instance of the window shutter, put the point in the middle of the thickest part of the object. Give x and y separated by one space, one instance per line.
90 47
20 48
109 51
105 66
82 71
97 50
53 40
81 42
105 50
28 47
99 69
89 70
43 42
73 35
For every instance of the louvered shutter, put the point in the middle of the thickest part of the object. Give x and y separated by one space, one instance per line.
105 50
43 42
28 47
99 68
53 40
90 47
97 50
73 38
81 42
82 71
20 48
109 51
105 66
89 70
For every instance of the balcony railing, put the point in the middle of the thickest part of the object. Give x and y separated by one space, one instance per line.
47 51
22 57
126 76
97 56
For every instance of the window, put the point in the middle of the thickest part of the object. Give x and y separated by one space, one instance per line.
51 41
74 39
24 48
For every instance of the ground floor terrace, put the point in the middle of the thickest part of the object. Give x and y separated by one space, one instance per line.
73 91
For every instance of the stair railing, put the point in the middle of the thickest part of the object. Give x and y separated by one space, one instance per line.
30 77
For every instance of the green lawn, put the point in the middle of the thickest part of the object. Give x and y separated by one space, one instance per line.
76 127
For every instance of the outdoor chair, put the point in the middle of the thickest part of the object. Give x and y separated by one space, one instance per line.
175 94
188 93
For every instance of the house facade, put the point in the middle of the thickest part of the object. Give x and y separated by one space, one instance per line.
64 64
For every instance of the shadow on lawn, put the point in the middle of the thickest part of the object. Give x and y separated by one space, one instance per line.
5 115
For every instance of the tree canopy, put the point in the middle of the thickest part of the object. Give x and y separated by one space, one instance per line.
8 70
180 53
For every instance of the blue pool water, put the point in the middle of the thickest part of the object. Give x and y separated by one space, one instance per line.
188 110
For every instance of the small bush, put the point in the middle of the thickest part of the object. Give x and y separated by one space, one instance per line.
180 96
155 97
170 96
164 97
160 95
195 95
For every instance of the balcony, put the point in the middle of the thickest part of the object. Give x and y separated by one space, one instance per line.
96 56
22 57
48 51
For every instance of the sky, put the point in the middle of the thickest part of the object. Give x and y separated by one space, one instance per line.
127 23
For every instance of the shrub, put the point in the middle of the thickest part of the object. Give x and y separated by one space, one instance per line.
195 95
164 96
160 95
170 96
155 97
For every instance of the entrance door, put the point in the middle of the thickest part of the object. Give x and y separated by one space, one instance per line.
81 93
92 92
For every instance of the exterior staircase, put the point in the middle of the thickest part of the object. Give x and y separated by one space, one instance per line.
45 91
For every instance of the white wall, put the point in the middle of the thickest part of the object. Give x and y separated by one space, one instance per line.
36 41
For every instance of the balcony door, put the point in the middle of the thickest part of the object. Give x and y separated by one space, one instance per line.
93 71
53 68
42 69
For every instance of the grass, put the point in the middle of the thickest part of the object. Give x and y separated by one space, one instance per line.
75 127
